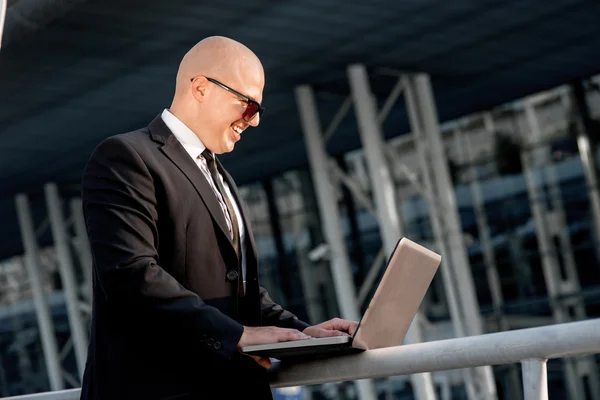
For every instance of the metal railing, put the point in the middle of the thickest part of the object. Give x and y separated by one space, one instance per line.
531 347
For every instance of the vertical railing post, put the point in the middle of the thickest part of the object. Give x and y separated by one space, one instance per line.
535 379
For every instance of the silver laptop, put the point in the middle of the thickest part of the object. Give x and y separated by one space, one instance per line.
408 274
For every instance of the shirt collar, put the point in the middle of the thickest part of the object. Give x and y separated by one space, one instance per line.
188 139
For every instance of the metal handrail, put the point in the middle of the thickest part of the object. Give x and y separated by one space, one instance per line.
532 347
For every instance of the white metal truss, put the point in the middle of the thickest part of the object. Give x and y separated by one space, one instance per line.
561 239
586 153
554 246
383 189
463 303
67 274
446 224
77 297
467 156
556 220
44 318
482 225
450 284
339 260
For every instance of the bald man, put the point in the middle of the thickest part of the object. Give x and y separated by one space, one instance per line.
176 291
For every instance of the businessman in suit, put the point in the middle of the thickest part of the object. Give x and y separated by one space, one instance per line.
176 291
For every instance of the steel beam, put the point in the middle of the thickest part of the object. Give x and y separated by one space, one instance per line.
426 115
329 212
435 216
384 193
67 274
313 274
42 311
352 217
550 225
447 201
284 273
483 227
586 151
382 184
337 119
489 255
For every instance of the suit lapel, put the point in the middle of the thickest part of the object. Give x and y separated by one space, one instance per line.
178 156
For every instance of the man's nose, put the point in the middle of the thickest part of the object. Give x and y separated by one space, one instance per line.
255 120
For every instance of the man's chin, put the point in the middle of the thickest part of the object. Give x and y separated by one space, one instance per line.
226 148
230 147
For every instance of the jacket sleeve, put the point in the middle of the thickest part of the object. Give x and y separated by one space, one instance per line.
121 217
274 314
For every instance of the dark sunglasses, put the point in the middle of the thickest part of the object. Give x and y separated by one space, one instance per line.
253 106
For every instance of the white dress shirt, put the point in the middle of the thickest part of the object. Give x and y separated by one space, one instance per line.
194 147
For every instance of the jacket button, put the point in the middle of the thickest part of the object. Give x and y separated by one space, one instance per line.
210 341
203 338
232 275
217 345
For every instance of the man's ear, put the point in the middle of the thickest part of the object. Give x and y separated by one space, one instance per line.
199 87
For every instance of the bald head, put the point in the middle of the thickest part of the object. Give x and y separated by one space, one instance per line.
214 110
220 58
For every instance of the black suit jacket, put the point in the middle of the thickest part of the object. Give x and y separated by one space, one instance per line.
166 318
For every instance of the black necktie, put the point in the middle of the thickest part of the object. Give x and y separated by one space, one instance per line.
235 232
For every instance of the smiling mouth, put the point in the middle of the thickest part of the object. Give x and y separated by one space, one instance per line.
237 131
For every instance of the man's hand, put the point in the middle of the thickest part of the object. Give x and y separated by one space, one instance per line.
333 327
268 334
